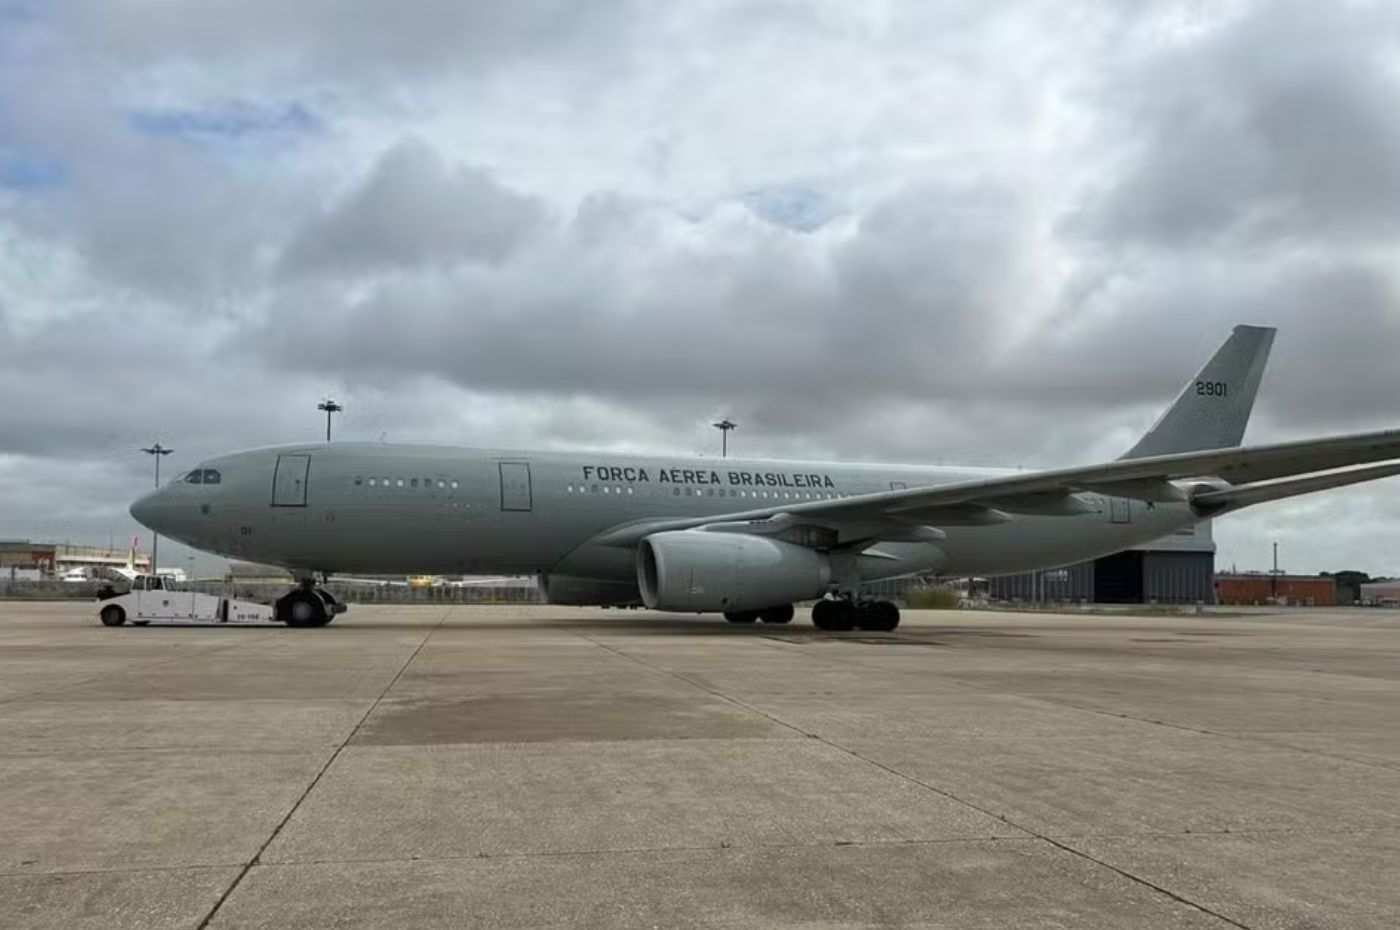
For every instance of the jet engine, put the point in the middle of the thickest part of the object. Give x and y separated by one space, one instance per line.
696 570
589 592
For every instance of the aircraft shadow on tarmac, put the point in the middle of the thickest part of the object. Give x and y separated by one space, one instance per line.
655 625
662 626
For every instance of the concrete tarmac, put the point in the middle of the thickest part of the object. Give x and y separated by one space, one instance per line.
551 767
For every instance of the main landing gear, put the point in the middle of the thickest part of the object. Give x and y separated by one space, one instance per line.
843 615
780 614
308 606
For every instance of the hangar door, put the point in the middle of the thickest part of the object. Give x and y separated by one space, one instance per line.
515 486
289 480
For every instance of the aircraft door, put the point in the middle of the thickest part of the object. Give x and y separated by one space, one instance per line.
515 486
289 480
1120 510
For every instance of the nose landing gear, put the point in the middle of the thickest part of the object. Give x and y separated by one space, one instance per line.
842 615
308 606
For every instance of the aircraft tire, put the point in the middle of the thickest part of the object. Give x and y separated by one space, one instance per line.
780 614
112 615
741 616
879 617
302 609
833 616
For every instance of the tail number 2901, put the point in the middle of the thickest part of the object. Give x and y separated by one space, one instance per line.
1212 389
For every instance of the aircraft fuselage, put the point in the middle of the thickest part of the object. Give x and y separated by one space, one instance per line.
379 508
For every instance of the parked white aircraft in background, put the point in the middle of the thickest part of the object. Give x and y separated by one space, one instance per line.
744 537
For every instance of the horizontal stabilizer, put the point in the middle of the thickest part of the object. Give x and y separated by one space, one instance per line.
1214 503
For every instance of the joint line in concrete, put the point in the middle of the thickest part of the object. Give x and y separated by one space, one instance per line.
335 754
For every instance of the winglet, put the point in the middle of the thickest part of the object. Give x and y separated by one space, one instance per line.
1213 409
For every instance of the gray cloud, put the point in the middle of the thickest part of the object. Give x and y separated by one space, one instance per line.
1275 125
415 210
358 41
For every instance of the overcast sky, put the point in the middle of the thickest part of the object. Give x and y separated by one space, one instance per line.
951 232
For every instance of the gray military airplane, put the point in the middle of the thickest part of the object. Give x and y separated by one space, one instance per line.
744 537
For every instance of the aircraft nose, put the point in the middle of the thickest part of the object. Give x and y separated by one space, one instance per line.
145 510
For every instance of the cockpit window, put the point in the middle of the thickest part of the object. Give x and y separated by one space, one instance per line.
195 477
212 476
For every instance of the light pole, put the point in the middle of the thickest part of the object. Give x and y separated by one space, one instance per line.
724 426
157 451
1275 573
330 406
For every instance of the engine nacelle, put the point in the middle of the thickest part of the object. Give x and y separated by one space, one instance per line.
588 592
695 570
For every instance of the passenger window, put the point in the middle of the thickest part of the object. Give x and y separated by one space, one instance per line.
398 483
441 483
454 484
359 480
427 482
412 483
371 482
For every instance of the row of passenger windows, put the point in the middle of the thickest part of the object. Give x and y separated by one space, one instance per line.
678 491
620 490
425 484
203 476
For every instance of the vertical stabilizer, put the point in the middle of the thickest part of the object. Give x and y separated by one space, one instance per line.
1213 409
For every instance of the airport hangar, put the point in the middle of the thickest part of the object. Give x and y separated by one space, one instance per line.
1177 569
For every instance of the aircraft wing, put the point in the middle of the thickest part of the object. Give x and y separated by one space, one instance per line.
892 514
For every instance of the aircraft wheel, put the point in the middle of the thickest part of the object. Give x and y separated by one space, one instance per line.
302 609
879 617
741 616
113 616
781 614
836 616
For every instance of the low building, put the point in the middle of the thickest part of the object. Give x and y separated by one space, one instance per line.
99 557
1260 589
1381 594
21 559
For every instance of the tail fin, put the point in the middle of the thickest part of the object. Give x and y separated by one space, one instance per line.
1213 409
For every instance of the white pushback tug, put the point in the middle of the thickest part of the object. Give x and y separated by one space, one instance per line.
152 599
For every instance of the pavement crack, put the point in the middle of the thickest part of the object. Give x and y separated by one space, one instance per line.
335 754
